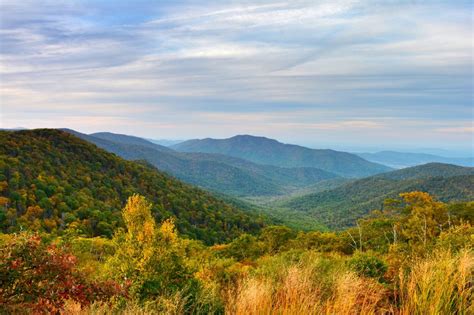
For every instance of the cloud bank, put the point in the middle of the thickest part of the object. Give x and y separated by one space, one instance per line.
315 72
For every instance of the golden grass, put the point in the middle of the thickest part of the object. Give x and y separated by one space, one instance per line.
170 306
356 295
298 293
441 284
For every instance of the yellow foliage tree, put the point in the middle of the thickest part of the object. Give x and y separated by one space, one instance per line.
141 226
149 257
426 218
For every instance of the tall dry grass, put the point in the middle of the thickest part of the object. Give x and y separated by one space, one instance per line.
356 295
441 284
298 293
172 305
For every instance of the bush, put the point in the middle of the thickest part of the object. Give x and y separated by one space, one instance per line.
456 238
367 265
37 277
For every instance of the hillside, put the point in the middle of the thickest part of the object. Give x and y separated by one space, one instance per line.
268 151
341 206
215 172
52 180
404 159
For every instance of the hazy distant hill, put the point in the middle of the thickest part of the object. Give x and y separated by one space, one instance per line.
52 178
267 151
212 171
401 159
165 142
341 206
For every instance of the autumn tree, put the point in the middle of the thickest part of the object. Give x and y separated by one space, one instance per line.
426 218
148 256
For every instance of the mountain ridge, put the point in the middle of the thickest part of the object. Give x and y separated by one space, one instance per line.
216 172
264 150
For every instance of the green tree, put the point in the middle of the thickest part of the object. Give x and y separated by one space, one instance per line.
244 247
275 237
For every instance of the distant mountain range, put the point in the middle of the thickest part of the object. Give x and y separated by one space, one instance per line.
301 187
262 150
215 172
403 159
342 206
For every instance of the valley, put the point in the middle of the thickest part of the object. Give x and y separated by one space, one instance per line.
303 197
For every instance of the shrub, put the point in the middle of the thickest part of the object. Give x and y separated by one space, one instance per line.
367 265
39 277
456 238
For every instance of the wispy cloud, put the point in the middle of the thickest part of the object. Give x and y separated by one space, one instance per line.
339 67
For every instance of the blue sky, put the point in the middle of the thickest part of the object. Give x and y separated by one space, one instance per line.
380 74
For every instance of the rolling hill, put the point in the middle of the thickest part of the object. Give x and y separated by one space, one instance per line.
215 172
268 151
403 159
341 206
52 180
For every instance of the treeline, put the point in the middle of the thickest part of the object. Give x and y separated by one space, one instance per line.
414 257
54 182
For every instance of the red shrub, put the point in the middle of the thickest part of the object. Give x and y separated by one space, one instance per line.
39 277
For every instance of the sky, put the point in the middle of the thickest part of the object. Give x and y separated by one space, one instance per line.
333 74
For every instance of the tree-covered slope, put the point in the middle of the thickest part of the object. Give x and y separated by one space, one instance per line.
52 180
341 206
216 172
267 151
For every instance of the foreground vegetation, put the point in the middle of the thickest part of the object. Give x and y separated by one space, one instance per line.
415 257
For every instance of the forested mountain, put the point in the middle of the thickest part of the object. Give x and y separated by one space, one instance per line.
341 206
216 172
404 159
268 151
51 180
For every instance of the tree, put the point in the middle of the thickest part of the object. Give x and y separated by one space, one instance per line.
244 247
275 237
149 258
425 219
